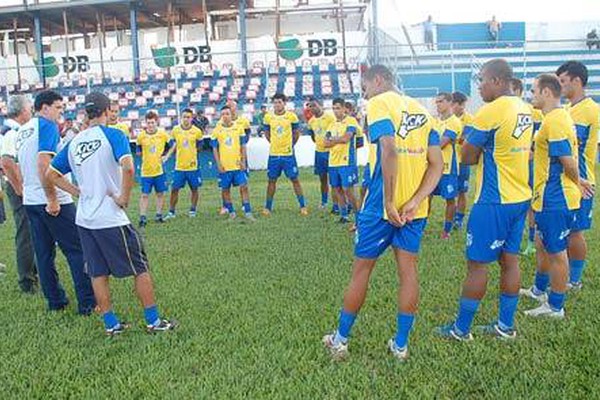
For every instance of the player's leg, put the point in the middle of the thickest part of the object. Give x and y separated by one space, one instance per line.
335 207
531 246
241 179
449 218
274 169
226 192
461 207
541 280
173 200
321 165
144 199
160 187
577 249
194 182
292 173
194 198
324 189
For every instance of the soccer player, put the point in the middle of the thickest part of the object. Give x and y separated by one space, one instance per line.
185 141
100 159
229 148
393 214
244 124
573 77
516 86
152 143
340 139
450 129
556 197
281 129
51 211
317 128
459 103
113 119
498 141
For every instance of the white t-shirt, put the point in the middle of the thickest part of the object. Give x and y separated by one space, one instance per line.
38 136
9 140
93 156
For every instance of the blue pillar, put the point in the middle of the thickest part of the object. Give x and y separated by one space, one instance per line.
135 49
243 42
39 47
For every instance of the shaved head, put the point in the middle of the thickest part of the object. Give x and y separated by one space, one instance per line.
498 68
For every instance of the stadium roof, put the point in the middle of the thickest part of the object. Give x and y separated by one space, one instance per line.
81 14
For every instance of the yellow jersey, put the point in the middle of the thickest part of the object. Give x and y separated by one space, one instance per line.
242 122
281 128
229 140
122 127
186 142
152 146
408 122
552 189
343 154
318 127
503 129
586 115
451 128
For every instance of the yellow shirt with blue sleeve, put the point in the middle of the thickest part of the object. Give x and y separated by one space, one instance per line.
318 127
452 129
229 140
586 115
281 128
152 146
187 144
343 154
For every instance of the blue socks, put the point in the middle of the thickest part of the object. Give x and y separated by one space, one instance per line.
324 198
542 279
467 308
229 207
269 204
110 319
576 270
151 315
335 208
193 209
447 226
507 308
143 218
172 211
344 211
301 201
247 208
345 325
458 218
404 323
532 234
556 300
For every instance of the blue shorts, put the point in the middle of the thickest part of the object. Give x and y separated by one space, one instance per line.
447 187
583 217
366 181
464 174
530 174
279 164
341 177
233 178
554 227
192 178
374 235
113 251
159 183
493 229
321 162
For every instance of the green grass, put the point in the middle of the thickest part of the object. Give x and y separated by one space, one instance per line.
254 300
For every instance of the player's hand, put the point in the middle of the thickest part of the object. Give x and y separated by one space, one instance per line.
587 188
393 215
53 208
408 211
221 169
120 201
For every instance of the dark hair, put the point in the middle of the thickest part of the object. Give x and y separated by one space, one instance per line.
550 82
379 70
459 98
516 85
313 99
225 108
152 115
574 69
47 97
349 105
279 96
445 95
187 110
499 68
340 101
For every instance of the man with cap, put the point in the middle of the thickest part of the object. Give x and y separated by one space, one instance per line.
101 161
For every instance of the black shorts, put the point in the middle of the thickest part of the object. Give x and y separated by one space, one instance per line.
113 251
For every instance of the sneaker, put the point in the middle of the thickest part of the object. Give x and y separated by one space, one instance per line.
338 351
304 211
450 332
232 216
400 353
322 206
170 215
117 329
546 311
159 220
223 211
266 212
163 325
529 250
494 330
574 286
445 236
192 213
532 293
335 212
143 223
457 226
343 220
250 217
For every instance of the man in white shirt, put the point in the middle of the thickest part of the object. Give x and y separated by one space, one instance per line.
51 211
100 160
19 113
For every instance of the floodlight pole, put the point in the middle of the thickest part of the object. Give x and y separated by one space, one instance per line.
39 47
375 31
135 49
242 33
101 42
16 50
66 29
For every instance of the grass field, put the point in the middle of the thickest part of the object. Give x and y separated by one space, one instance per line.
254 300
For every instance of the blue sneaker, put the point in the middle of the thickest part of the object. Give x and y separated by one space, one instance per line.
493 329
450 332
